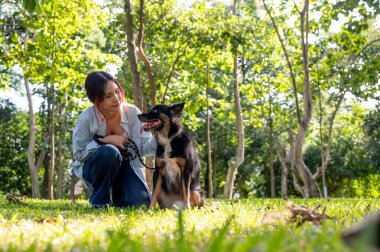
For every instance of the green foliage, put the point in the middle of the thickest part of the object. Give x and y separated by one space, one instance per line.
219 226
191 46
14 170
371 127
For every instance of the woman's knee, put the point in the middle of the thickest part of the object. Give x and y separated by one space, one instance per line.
108 158
109 153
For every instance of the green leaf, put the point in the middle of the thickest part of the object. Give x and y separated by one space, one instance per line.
32 6
14 38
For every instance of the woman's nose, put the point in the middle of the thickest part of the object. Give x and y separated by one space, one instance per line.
116 98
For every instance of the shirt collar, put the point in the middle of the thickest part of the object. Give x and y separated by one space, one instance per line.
101 119
99 116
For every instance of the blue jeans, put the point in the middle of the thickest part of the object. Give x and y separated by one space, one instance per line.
105 169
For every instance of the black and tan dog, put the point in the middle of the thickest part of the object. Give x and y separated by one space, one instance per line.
177 163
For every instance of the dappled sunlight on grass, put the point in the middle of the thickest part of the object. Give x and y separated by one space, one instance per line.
222 225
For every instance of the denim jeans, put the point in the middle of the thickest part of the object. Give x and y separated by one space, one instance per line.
105 169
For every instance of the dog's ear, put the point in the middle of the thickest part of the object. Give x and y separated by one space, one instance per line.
176 109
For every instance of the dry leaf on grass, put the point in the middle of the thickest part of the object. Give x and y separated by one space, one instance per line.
294 213
306 214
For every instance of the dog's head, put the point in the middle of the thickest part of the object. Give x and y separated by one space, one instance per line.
161 116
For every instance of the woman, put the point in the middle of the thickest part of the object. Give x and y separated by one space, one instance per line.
102 168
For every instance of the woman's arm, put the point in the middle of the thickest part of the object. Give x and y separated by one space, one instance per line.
83 144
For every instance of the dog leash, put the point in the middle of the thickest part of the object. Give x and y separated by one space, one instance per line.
127 155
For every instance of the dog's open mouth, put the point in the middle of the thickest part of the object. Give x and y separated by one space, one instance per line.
150 125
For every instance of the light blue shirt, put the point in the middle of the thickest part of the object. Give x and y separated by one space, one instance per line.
91 122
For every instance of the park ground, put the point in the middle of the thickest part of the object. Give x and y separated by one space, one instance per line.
221 225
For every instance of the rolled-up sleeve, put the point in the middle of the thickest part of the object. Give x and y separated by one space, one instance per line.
83 144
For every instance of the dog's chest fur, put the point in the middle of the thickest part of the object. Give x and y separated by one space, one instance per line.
172 177
164 146
165 151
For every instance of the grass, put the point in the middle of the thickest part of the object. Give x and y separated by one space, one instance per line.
59 225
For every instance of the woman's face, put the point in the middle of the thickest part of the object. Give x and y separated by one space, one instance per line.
112 99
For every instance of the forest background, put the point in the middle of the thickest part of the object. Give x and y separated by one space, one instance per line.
276 92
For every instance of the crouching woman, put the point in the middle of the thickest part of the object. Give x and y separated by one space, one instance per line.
112 179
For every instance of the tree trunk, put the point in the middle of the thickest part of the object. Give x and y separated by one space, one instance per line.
51 168
238 159
309 185
271 169
33 169
284 172
214 162
300 171
149 160
136 90
61 141
32 142
51 96
209 159
45 182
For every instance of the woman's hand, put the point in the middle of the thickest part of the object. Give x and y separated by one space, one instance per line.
117 140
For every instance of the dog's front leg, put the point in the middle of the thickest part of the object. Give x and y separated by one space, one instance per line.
156 192
184 192
186 189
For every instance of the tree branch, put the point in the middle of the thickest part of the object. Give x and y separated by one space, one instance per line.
143 57
173 68
288 62
369 44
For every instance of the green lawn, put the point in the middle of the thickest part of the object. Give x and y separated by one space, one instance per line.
43 225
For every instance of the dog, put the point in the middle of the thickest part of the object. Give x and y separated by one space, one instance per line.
176 177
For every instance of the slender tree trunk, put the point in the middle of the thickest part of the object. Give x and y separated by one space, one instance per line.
51 168
284 172
238 159
33 169
51 96
32 142
214 162
209 159
271 169
61 140
45 182
136 90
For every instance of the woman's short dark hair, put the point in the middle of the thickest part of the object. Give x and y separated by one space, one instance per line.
96 83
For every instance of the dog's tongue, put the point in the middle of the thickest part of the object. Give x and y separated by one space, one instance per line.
149 125
142 128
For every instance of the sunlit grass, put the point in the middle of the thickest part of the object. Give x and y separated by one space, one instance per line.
219 226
